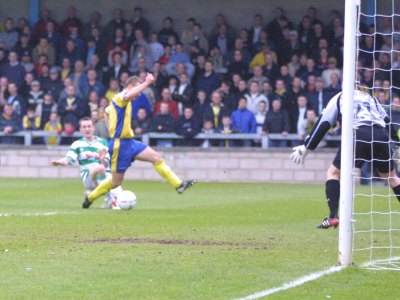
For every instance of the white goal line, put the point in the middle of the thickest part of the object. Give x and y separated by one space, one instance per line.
37 214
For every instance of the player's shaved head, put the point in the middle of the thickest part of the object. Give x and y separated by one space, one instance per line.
133 80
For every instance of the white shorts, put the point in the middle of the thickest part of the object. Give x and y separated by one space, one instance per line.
91 184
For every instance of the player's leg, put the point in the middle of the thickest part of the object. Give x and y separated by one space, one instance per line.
103 188
148 154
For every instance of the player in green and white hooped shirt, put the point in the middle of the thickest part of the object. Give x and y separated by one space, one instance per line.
91 153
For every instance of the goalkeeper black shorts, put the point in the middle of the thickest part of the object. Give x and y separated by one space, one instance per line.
371 145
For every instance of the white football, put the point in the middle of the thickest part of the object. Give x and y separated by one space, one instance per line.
126 200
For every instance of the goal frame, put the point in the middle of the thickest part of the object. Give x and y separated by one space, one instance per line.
346 173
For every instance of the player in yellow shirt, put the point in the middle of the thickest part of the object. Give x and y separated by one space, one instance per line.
124 149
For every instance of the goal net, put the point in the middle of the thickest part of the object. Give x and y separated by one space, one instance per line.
376 210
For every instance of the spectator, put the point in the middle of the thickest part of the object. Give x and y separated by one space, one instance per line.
24 46
141 61
263 40
260 58
163 122
244 120
260 115
198 40
54 85
100 127
218 60
17 101
140 22
53 126
43 47
41 25
276 121
271 69
68 128
285 76
297 119
141 124
13 70
35 95
113 89
208 81
26 62
71 21
92 84
187 33
117 22
156 48
254 96
187 126
3 92
117 67
326 74
227 128
167 31
9 36
10 122
71 52
172 105
44 109
215 110
201 103
318 99
183 93
258 75
180 57
95 22
71 108
294 64
53 36
66 68
310 70
208 128
335 86
238 65
229 98
222 40
93 101
31 121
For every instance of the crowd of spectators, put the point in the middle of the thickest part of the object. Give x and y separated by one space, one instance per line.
274 77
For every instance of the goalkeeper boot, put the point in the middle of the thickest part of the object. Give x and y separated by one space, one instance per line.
329 222
185 185
86 203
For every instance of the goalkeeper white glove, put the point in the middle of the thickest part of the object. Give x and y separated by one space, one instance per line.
396 153
299 154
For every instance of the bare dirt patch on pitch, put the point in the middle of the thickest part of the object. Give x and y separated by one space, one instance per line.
176 242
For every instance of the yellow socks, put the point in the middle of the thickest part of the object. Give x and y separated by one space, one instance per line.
103 188
165 171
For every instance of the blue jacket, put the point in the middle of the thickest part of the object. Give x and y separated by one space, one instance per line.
141 101
244 121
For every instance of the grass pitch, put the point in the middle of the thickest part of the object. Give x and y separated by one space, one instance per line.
218 241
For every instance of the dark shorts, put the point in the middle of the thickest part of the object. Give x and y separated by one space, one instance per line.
123 153
371 145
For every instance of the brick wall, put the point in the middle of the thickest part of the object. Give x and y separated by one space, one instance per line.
206 165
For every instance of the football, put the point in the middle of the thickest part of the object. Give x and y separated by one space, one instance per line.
126 200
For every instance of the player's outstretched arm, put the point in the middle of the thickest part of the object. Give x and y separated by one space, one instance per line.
134 92
61 162
299 154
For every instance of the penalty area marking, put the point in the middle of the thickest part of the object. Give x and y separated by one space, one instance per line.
314 276
44 214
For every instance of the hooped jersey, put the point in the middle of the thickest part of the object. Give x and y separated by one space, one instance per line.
367 112
86 154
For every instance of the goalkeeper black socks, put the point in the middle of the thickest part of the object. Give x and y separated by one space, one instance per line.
396 191
332 190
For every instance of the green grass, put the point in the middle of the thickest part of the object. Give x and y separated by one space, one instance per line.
218 241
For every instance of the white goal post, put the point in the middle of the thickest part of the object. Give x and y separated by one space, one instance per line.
346 180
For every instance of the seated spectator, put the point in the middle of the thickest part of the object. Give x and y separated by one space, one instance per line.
44 109
53 36
32 122
79 77
198 40
229 98
17 101
24 46
187 33
13 70
140 22
218 60
309 70
139 42
307 125
26 62
75 37
44 47
171 104
276 121
92 84
116 69
149 91
9 36
117 22
222 40
294 64
227 128
326 74
68 128
163 122
167 55
285 76
72 108
254 96
93 101
113 89
215 110
183 93
208 81
244 120
260 115
53 125
71 21
44 77
187 126
319 98
297 117
263 40
35 95
238 65
141 55
280 89
167 31
10 122
156 48
180 57
66 68
200 104
208 128
54 85
141 124
260 58
100 127
271 69
71 52
41 24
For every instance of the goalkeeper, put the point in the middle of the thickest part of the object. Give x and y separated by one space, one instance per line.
371 128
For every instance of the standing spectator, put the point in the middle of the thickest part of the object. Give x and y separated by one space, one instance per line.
71 52
222 40
92 84
208 128
71 21
156 48
54 85
187 33
208 81
254 34
201 103
198 39
180 57
319 98
276 121
71 108
254 96
273 27
184 92
31 121
43 47
163 122
167 31
187 126
40 27
53 126
172 105
53 36
258 75
9 36
140 22
326 74
141 124
10 122
297 119
229 98
17 101
227 128
244 120
238 65
35 95
44 109
100 127
95 22
215 110
93 101
260 115
116 69
13 70
117 22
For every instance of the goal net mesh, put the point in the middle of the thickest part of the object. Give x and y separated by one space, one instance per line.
376 210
